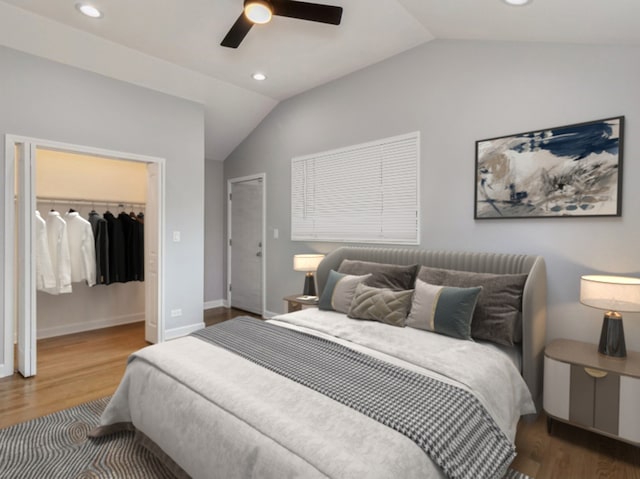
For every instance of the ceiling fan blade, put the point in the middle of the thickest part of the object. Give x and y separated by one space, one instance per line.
237 33
313 12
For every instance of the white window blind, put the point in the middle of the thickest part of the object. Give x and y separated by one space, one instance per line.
362 193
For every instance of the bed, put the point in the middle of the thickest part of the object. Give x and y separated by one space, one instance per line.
211 408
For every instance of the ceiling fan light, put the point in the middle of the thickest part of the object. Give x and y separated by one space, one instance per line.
258 11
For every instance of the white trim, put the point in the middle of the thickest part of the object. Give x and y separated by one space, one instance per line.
82 326
218 303
230 181
7 367
270 314
162 194
87 150
175 333
226 245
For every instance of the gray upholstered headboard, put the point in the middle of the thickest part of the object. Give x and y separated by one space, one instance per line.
534 300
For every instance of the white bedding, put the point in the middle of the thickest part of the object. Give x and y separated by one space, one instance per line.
480 367
218 415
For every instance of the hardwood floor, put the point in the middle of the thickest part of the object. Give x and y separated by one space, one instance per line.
71 370
82 367
572 453
217 315
77 368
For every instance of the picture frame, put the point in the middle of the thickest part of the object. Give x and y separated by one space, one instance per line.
567 171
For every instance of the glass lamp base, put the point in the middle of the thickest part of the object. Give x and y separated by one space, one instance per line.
612 336
309 285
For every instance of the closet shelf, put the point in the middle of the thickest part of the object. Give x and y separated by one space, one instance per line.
65 201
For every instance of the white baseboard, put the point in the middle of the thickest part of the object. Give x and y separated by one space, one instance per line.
269 314
82 326
182 331
218 303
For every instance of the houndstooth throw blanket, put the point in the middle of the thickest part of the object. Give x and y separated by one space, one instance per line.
448 423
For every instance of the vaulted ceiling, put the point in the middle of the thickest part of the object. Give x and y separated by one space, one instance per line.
174 45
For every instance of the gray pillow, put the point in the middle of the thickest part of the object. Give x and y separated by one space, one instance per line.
338 291
390 276
498 314
378 304
443 309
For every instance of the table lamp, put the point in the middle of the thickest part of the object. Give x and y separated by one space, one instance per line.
309 264
614 294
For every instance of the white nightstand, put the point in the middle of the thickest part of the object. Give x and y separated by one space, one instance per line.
592 391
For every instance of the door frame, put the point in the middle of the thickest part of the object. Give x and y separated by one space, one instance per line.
230 183
11 272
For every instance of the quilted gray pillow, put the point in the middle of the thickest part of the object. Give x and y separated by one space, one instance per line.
379 304
498 313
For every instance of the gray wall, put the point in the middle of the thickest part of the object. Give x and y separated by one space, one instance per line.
51 101
214 210
454 93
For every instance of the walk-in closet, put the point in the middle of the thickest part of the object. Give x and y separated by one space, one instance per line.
93 210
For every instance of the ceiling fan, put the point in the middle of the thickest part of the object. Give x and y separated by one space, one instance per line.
261 11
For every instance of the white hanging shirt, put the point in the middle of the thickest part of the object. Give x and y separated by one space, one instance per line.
82 249
45 277
59 253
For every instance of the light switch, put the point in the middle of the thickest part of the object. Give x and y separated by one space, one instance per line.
276 233
176 236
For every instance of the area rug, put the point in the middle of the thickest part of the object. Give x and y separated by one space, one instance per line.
56 447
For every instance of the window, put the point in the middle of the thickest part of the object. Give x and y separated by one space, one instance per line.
361 193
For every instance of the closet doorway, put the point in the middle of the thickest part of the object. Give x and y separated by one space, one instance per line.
246 243
21 201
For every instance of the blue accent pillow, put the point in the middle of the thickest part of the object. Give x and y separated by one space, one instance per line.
443 309
339 290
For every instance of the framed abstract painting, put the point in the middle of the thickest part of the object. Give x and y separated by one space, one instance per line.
573 170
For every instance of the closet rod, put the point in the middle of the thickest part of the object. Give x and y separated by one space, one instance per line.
62 201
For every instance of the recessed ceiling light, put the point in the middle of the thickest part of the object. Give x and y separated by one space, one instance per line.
517 3
88 10
259 76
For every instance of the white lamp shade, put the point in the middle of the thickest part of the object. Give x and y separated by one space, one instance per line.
306 262
611 293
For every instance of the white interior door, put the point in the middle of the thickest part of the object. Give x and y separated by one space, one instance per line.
26 274
152 332
246 244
